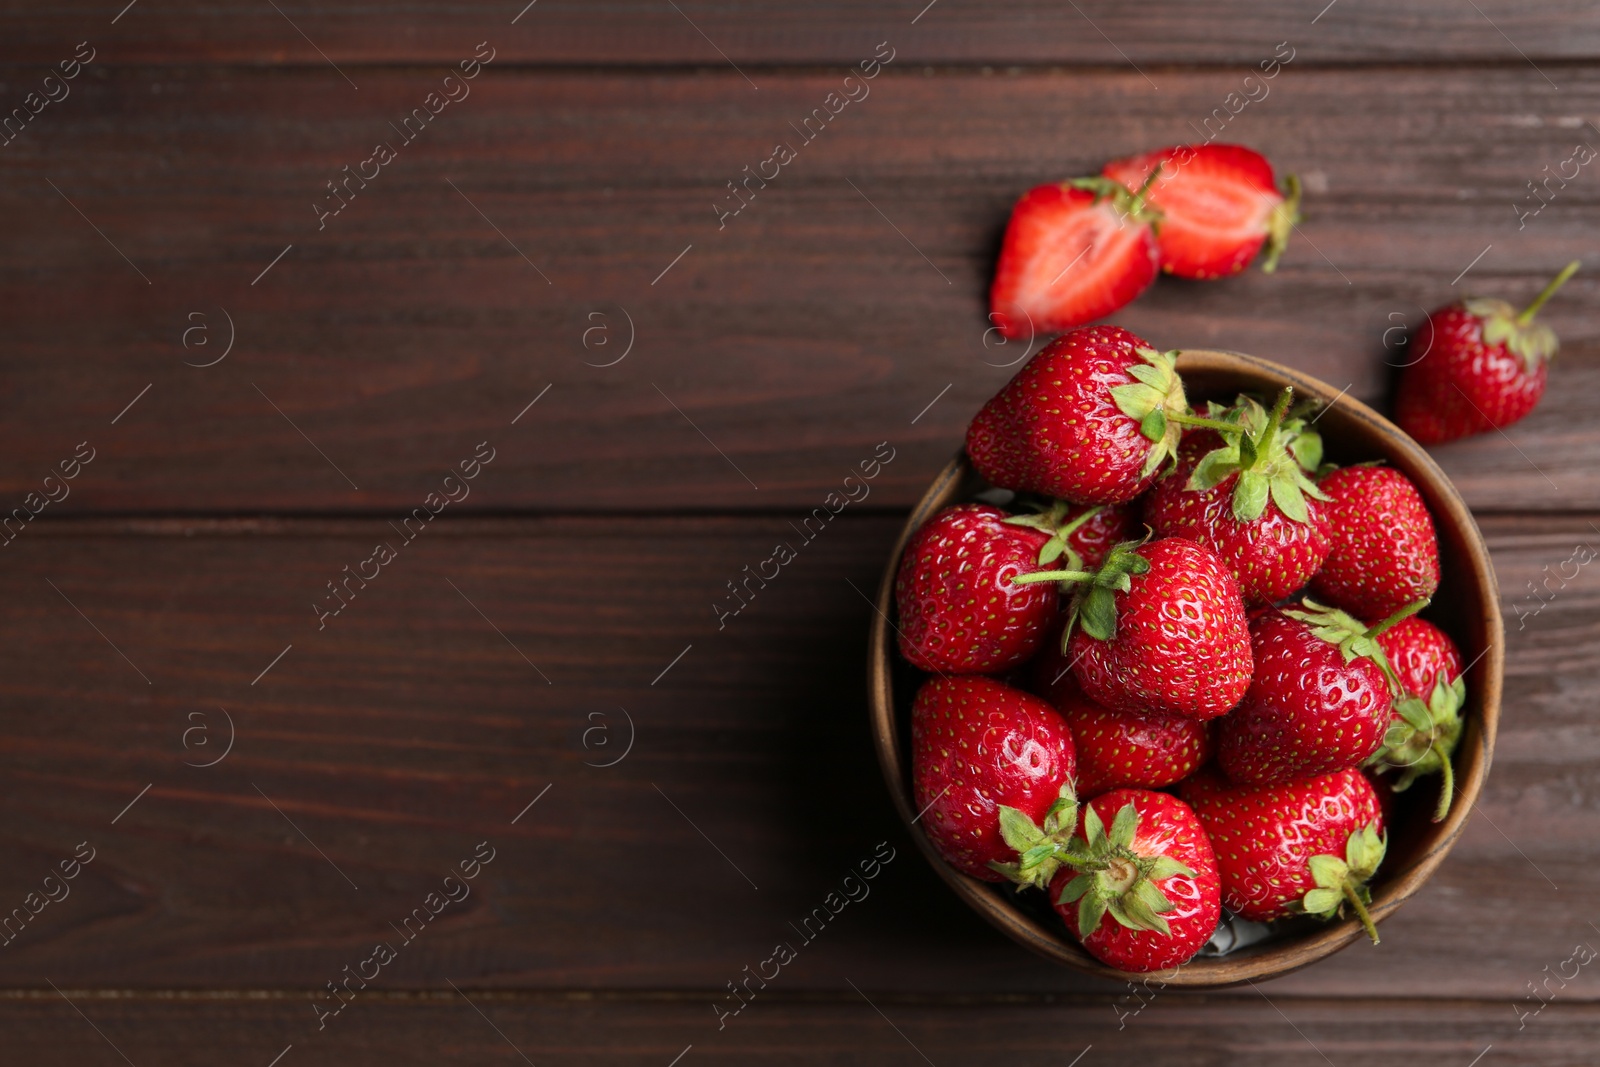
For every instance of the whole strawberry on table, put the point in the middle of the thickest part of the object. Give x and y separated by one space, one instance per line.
1222 696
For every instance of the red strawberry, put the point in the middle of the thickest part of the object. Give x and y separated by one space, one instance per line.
1385 553
1118 749
1153 872
1160 627
959 611
1483 368
1417 651
1219 204
1427 716
1319 702
1307 847
1245 495
984 755
1087 419
1072 253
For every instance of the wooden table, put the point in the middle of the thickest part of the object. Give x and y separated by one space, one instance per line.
551 266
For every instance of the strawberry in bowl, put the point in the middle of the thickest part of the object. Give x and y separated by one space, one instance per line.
1260 714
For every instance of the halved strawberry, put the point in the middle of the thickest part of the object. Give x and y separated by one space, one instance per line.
1219 204
1073 252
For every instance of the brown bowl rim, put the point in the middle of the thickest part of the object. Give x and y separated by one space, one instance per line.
1472 758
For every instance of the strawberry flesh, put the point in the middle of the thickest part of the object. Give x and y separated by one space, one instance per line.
1070 256
1219 204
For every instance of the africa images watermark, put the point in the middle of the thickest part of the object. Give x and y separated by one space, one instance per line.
810 128
783 553
383 553
855 889
410 129
33 104
456 889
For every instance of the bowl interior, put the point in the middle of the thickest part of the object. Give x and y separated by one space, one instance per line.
1466 607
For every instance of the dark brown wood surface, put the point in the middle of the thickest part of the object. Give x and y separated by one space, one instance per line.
565 612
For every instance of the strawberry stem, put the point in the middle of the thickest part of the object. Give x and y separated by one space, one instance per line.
1447 787
1209 424
1276 419
1051 576
1547 292
1398 617
1079 520
1365 916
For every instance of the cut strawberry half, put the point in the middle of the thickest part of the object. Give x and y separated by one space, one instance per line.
1219 204
1073 253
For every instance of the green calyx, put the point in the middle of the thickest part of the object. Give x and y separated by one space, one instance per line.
1422 737
1281 223
1155 400
1352 636
1273 455
1114 879
1133 205
1095 605
1040 847
1532 342
1051 518
1342 882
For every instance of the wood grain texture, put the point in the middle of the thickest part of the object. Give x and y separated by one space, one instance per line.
410 729
793 340
710 34
493 1029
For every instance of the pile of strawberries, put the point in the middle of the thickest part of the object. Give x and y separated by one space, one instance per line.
1164 678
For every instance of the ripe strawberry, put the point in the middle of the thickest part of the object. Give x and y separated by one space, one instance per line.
1155 874
984 755
1072 253
1484 368
1385 553
1305 847
1089 418
959 611
1320 700
1160 627
1219 204
1118 749
1245 495
1427 716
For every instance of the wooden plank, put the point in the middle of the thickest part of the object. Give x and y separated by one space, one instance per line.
484 1027
776 352
1163 32
413 727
